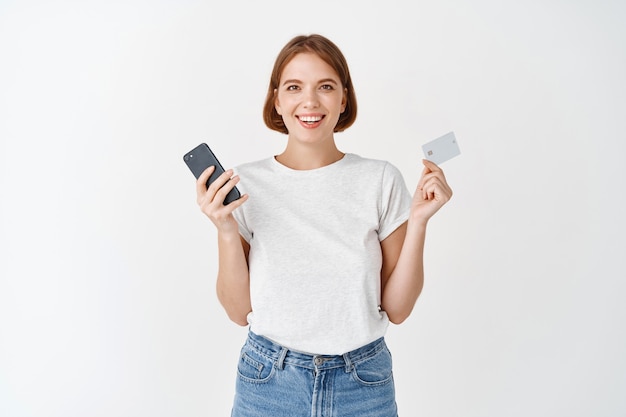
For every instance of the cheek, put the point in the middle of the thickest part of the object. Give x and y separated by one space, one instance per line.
276 105
282 105
277 102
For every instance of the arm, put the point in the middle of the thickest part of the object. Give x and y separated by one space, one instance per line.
233 280
402 275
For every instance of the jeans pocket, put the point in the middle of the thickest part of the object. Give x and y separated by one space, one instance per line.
254 367
375 370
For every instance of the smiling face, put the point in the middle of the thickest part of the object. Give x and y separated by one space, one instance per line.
310 98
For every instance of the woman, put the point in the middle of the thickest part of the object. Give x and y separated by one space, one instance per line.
320 253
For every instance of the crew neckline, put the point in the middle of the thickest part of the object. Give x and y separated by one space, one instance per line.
346 157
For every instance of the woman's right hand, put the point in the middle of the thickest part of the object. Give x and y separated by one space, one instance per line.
211 200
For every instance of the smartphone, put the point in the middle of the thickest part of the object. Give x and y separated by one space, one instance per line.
199 159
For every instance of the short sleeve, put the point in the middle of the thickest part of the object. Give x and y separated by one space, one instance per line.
395 201
240 214
240 217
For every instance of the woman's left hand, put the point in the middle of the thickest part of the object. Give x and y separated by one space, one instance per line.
431 194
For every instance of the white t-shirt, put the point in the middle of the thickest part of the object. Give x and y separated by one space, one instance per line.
315 255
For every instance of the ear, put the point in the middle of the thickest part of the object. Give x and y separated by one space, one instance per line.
344 100
276 103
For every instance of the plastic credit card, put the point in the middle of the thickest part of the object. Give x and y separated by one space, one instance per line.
441 149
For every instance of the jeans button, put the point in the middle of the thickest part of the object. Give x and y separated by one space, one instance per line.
318 361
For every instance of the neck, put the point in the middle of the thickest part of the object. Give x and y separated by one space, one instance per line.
305 157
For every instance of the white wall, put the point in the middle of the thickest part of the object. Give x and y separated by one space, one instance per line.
107 303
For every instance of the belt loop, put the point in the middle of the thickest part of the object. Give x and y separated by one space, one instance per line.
346 358
280 363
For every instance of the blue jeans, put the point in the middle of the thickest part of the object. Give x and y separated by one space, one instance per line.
274 381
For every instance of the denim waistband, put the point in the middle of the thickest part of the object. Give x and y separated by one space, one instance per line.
283 355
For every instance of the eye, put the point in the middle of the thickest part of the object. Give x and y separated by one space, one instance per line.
327 87
292 87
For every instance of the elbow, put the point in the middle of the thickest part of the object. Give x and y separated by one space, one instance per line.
399 310
398 318
399 314
238 316
242 321
236 310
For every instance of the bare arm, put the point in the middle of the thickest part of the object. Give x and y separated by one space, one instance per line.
233 279
402 276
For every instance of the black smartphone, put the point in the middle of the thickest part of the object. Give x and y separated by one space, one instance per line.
199 159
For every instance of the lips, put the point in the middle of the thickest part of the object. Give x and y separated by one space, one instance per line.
310 121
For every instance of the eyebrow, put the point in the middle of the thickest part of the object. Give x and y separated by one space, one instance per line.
322 81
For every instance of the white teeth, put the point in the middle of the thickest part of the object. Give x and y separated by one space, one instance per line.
310 119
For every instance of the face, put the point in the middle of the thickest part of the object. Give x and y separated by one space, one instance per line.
310 98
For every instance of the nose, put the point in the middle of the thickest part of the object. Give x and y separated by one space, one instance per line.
310 98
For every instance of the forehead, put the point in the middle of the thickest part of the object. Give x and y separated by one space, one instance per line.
307 66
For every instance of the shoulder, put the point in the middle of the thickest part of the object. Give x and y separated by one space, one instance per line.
254 166
378 166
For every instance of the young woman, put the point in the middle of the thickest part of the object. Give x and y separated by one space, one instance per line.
320 253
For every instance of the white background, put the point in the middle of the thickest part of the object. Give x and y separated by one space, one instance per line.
107 301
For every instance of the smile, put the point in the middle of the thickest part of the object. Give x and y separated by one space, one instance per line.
310 119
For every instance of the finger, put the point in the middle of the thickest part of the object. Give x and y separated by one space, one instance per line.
226 187
428 176
431 165
425 172
429 192
202 179
220 182
438 190
429 168
220 210
234 204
